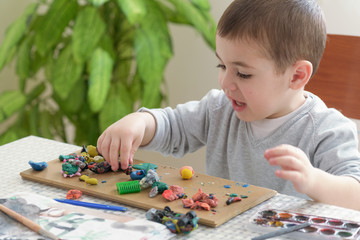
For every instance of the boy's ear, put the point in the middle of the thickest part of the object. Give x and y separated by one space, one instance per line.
302 71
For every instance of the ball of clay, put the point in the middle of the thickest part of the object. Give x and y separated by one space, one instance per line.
186 172
38 166
92 181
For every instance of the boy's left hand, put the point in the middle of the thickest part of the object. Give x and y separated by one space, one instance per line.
295 165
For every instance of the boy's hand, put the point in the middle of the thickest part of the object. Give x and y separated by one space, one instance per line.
295 165
124 137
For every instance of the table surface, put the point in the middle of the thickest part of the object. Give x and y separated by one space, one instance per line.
15 157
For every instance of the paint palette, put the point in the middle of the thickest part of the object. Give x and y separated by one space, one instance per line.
320 228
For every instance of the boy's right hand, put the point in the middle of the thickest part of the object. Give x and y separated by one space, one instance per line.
124 137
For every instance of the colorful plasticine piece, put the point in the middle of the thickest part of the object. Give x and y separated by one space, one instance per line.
128 187
92 151
101 167
83 177
38 166
66 157
201 201
232 199
92 181
153 192
145 166
161 186
186 172
175 222
138 174
175 192
69 170
150 178
73 194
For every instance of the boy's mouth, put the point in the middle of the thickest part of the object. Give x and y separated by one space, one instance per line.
238 106
240 103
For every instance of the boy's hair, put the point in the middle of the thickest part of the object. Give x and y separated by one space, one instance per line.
288 30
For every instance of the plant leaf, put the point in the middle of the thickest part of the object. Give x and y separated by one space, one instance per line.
8 136
136 88
125 60
202 22
2 116
34 119
134 10
66 72
106 43
101 66
153 50
125 54
14 33
45 125
11 101
172 15
202 4
73 103
36 92
58 125
88 29
118 104
50 29
23 61
97 3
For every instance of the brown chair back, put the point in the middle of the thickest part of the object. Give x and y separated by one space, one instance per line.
337 81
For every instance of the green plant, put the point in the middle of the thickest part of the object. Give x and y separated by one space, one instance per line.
88 63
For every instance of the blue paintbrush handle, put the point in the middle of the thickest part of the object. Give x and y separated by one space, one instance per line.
92 205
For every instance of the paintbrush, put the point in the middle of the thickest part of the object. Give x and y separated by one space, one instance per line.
282 231
28 223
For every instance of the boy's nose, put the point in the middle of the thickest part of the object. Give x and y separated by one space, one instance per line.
228 82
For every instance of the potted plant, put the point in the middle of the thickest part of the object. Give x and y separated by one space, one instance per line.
88 63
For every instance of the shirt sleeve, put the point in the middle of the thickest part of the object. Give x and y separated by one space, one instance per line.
182 129
337 146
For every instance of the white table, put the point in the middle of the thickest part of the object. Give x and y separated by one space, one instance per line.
15 156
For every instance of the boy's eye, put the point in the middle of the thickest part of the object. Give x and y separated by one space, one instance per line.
244 76
222 66
240 75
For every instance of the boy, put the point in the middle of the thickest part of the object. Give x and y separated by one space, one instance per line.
262 121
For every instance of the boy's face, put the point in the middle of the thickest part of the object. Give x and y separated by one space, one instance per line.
250 81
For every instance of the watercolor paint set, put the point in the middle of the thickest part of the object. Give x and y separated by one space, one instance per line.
320 227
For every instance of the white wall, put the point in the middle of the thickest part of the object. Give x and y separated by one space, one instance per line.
192 73
9 11
342 16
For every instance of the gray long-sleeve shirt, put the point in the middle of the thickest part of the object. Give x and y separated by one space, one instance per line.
327 137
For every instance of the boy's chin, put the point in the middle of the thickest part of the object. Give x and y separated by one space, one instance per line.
246 118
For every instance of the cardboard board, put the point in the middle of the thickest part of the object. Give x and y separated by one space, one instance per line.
107 190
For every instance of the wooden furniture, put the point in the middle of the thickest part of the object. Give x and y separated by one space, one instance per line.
337 80
18 153
106 189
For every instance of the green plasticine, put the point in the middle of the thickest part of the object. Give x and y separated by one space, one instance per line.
161 186
145 166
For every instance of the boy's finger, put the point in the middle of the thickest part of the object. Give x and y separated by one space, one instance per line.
114 154
125 155
100 141
104 148
134 148
287 162
282 150
289 175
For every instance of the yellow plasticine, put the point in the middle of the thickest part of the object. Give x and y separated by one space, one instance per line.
186 174
92 150
92 181
86 156
98 159
83 177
